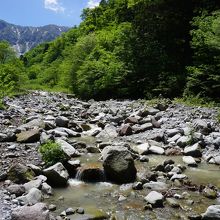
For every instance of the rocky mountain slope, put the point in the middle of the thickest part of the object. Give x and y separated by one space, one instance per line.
24 38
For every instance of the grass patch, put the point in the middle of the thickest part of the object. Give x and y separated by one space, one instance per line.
196 101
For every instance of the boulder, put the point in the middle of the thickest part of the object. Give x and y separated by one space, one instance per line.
16 189
30 136
33 197
109 131
212 213
156 150
132 120
217 160
46 189
141 148
201 125
158 186
141 128
190 161
68 149
90 173
172 202
155 123
57 175
33 184
19 173
209 192
36 123
183 141
172 132
38 211
151 111
9 137
194 150
71 166
118 164
125 130
178 177
69 132
155 199
62 121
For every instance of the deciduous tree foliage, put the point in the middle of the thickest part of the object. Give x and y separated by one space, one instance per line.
11 70
134 48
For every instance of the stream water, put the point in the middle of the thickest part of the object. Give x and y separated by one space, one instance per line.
124 203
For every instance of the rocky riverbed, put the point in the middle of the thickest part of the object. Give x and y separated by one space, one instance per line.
127 160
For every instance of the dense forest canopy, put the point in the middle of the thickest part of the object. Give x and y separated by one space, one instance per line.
133 49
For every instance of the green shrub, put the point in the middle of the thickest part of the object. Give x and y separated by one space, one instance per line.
2 106
52 153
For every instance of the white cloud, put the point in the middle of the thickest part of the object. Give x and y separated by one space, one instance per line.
54 5
93 3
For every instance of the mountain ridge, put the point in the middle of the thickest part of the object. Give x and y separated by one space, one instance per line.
24 38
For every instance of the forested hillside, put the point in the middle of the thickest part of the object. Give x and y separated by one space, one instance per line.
134 49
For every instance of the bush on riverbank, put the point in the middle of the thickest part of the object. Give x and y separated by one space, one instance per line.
52 153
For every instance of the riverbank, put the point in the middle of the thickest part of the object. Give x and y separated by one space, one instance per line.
142 133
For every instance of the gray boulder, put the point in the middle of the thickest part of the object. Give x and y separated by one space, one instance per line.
190 161
172 132
212 213
33 197
202 126
158 186
30 136
46 189
36 123
68 149
33 184
16 189
125 130
118 164
194 150
62 121
183 141
155 199
156 150
9 137
38 211
109 131
141 148
57 175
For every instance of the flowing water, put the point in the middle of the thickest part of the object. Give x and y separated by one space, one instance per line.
124 203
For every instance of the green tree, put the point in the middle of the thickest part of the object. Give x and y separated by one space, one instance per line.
6 52
204 74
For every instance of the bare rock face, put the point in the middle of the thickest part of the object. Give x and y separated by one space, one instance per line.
118 164
38 211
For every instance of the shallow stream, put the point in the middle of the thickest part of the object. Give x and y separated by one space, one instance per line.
124 203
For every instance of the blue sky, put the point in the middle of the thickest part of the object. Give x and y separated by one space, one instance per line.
43 12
